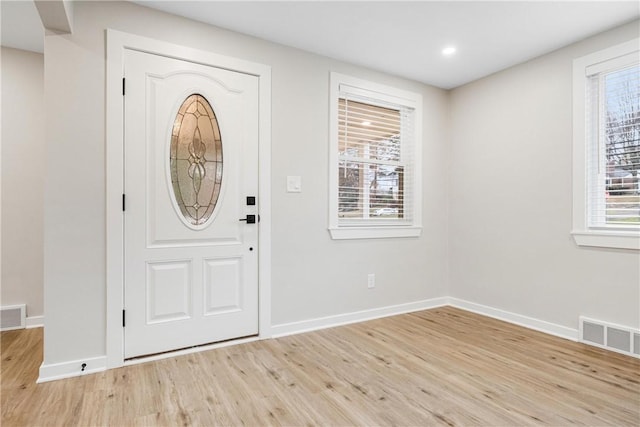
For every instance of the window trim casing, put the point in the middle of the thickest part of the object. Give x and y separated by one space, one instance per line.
382 92
583 234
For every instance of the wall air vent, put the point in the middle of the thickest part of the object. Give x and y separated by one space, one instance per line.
12 317
620 339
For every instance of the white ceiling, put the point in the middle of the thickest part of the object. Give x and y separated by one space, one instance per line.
402 38
21 27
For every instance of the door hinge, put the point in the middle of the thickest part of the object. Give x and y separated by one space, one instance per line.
123 203
123 86
123 319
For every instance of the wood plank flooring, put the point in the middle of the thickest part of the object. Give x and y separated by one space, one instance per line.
438 367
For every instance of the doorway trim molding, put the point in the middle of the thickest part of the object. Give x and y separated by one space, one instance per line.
117 43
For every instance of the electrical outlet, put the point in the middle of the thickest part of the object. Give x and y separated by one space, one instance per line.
371 281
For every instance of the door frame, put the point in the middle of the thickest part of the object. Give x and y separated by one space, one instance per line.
117 43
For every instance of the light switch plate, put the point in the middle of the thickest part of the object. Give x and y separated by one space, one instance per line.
294 184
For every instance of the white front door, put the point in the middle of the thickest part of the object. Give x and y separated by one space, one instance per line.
191 166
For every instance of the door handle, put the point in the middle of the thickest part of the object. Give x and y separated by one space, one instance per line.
251 219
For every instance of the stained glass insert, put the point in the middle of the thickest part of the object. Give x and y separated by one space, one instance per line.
196 159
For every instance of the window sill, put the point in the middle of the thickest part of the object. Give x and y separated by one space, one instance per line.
608 239
343 233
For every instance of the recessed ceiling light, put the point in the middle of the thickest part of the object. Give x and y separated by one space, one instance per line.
366 123
448 51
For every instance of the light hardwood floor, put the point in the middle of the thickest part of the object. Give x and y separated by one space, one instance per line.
438 367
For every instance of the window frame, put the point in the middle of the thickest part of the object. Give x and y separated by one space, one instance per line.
583 233
387 94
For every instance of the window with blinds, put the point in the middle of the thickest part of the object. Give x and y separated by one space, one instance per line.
375 161
613 143
606 147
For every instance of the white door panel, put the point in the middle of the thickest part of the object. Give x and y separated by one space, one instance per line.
188 284
220 278
164 223
169 291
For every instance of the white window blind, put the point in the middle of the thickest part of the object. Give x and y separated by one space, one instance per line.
613 146
375 161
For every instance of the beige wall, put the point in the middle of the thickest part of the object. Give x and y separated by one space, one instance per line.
23 166
312 275
510 199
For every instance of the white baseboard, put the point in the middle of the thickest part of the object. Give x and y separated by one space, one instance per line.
97 364
517 319
354 317
58 371
34 322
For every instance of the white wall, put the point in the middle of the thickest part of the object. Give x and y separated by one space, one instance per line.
313 276
509 239
510 199
23 166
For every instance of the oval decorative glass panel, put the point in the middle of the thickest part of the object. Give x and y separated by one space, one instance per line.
195 160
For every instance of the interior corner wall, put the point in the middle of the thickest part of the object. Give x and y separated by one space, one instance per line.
511 199
312 275
22 179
